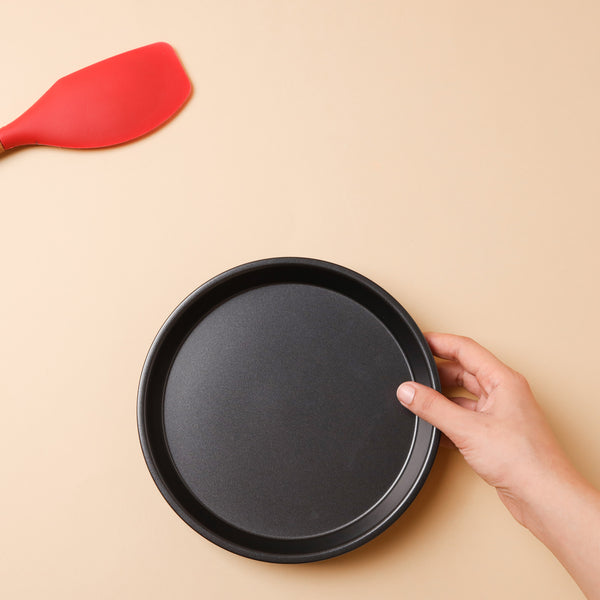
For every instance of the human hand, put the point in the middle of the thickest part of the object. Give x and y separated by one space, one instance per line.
503 435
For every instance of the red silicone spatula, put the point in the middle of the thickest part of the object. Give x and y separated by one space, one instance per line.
107 103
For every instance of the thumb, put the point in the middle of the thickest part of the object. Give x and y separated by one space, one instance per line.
454 420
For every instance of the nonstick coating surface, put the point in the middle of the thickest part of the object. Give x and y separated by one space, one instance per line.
267 410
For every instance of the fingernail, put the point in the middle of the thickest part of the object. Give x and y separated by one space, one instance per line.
406 393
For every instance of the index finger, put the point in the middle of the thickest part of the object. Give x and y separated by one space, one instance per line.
473 357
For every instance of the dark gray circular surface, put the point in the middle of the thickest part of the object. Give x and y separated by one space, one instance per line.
268 414
308 406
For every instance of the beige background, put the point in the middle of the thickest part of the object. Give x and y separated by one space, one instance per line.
447 150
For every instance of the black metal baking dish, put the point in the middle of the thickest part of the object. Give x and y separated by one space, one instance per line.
267 412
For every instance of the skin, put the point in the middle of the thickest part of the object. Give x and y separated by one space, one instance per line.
505 438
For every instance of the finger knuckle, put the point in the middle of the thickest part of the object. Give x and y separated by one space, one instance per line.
519 379
427 401
469 341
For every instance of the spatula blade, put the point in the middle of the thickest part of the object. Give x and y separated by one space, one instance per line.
107 103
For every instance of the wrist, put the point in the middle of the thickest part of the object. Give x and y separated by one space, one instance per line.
547 502
537 488
563 512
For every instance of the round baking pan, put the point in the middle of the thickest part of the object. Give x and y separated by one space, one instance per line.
267 411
